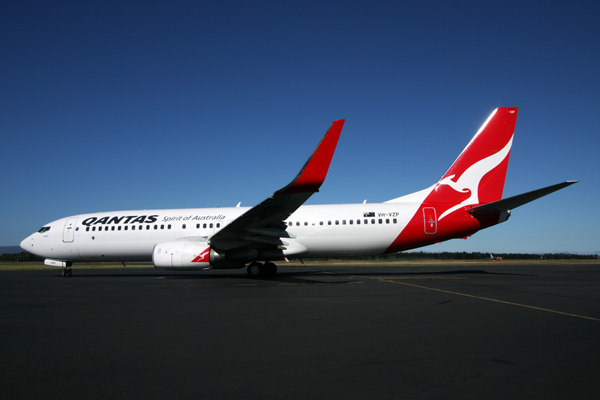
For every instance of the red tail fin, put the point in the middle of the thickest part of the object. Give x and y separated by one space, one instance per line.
477 176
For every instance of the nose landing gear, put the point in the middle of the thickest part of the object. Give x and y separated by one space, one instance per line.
67 272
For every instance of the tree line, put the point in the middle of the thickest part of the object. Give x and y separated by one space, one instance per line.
20 257
422 255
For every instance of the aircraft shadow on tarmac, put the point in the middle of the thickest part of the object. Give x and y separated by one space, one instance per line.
305 277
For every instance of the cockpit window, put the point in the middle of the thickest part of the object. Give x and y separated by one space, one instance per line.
44 229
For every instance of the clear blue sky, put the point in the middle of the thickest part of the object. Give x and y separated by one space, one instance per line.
118 105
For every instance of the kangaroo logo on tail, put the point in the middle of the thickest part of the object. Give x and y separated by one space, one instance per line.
469 181
477 176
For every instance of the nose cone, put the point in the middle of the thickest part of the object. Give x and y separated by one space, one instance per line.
27 243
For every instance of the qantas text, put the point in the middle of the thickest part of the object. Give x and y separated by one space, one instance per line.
129 219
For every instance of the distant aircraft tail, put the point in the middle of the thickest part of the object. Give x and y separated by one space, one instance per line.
477 176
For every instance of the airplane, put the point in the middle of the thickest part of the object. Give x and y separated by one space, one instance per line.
466 199
497 258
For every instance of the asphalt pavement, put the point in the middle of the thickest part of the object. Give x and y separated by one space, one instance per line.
492 331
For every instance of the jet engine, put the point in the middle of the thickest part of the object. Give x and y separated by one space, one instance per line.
185 255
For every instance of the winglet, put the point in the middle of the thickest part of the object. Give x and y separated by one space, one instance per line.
313 173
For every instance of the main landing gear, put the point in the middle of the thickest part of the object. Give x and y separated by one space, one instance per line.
258 270
67 272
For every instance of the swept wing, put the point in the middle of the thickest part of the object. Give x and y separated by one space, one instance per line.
262 225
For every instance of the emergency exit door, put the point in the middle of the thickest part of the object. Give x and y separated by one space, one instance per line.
430 220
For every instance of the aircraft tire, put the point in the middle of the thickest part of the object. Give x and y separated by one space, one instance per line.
270 269
255 270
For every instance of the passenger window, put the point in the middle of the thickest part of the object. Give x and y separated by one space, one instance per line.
395 220
351 221
380 221
87 229
147 227
155 227
373 221
169 226
210 226
305 223
328 222
133 227
119 228
321 223
197 226
343 222
125 227
337 222
366 221
218 224
183 226
358 222
204 226
387 221
162 227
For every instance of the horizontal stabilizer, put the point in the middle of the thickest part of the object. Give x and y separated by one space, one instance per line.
516 201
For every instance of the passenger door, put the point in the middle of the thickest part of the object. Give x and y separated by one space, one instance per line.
69 230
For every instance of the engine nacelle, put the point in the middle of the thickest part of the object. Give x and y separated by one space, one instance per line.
185 255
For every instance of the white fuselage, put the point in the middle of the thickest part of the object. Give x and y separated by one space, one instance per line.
315 230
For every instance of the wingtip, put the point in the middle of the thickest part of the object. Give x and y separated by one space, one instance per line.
339 122
313 173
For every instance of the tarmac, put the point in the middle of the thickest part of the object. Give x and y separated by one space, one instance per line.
492 331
